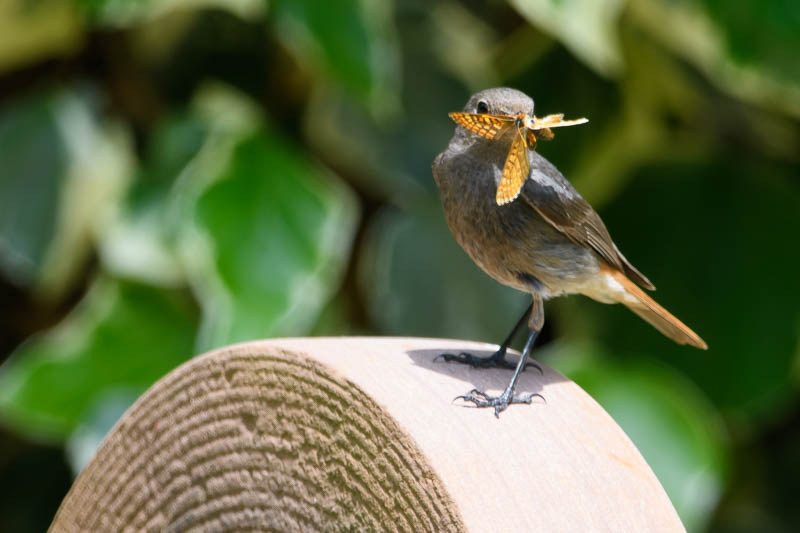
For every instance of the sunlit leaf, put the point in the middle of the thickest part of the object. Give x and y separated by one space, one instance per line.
350 41
587 27
260 232
139 242
188 152
464 44
762 35
33 31
276 232
747 47
62 172
121 335
129 12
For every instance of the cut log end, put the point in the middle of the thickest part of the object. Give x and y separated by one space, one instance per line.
360 434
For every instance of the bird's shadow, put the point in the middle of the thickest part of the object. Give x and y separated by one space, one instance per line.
486 379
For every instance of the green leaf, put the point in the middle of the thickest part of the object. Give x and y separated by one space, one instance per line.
276 234
31 176
349 40
417 281
760 34
747 47
120 335
586 27
124 13
63 171
107 407
260 233
672 424
33 31
188 152
139 242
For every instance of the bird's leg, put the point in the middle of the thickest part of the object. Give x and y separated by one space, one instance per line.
481 399
498 358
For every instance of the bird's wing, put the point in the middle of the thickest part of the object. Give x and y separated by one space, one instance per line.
560 205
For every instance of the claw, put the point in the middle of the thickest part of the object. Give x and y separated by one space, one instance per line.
500 403
471 396
534 365
528 398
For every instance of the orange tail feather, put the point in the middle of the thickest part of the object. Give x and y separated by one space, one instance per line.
657 316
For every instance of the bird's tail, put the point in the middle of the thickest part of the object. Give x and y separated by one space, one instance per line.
658 317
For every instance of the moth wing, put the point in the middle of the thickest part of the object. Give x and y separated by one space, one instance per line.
487 126
552 119
515 171
563 123
544 133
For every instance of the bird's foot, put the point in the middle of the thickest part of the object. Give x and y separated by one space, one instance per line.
481 399
497 360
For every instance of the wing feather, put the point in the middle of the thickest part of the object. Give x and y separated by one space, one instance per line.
554 198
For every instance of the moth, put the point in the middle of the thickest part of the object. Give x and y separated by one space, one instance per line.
526 131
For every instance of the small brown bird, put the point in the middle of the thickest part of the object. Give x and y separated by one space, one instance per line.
546 242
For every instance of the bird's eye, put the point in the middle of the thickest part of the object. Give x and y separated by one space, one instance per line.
483 107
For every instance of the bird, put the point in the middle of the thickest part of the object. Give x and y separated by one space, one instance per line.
547 241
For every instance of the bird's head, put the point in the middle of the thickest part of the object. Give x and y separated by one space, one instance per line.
500 101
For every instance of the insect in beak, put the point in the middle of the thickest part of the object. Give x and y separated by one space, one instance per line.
528 129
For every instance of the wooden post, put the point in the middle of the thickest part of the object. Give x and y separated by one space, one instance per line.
361 434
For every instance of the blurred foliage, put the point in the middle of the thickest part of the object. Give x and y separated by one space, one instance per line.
120 334
63 170
183 174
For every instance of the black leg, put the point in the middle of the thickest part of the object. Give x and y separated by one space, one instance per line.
481 399
498 358
513 332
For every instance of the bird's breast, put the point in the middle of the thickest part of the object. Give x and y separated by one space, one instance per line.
512 243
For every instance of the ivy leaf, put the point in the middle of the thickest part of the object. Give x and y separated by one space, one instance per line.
350 41
63 171
275 234
586 27
120 335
